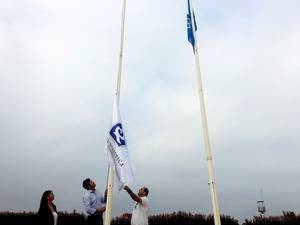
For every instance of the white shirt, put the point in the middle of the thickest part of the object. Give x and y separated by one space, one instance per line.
93 199
140 212
55 217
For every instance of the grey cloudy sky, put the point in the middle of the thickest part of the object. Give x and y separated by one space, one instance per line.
58 65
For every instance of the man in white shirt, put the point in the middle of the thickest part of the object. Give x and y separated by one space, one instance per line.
94 202
141 208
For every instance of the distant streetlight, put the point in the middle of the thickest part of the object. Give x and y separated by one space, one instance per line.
260 205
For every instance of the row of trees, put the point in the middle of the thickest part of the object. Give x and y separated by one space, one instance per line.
176 218
288 218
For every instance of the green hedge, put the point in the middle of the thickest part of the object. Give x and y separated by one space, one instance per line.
176 218
288 218
30 218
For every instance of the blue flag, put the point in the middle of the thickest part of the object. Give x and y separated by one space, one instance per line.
190 33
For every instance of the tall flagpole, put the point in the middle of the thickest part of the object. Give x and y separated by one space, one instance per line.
110 181
211 177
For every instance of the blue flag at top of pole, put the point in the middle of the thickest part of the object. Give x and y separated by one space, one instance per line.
190 32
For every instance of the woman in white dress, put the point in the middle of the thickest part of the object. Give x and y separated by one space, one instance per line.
47 213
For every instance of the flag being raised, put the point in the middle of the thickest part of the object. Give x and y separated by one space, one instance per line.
117 152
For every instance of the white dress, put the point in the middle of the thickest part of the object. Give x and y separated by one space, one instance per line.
55 218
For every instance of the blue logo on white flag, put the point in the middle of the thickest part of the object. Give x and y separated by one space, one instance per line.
117 134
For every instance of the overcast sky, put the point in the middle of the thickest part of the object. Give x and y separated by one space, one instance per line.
58 67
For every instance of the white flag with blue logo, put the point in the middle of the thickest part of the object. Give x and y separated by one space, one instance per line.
117 150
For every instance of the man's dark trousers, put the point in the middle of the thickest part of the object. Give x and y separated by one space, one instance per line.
95 219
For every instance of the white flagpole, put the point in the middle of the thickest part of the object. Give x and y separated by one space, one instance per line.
110 181
211 177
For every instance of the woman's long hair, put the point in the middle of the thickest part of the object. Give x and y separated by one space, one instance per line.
44 201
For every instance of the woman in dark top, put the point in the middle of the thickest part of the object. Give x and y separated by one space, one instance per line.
47 213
